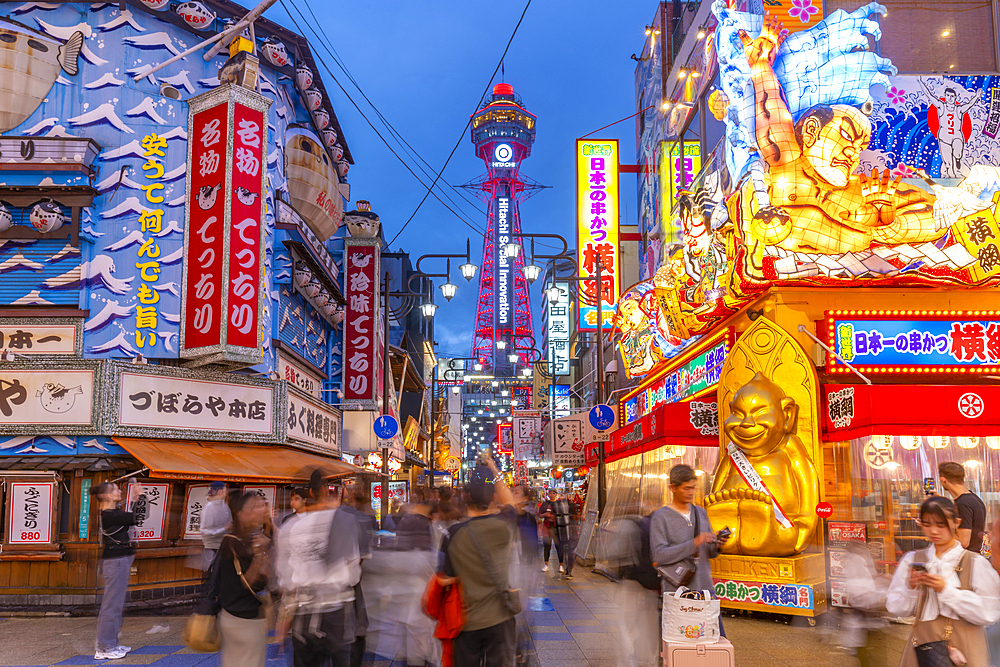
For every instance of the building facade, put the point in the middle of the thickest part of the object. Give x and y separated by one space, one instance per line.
171 300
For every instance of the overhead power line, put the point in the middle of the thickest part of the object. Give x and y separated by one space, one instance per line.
375 129
467 124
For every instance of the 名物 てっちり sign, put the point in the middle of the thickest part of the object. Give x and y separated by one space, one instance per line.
150 509
362 322
889 341
756 594
689 378
46 397
313 423
597 228
186 407
29 515
222 300
306 381
194 506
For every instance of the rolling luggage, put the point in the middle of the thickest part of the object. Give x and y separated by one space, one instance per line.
720 654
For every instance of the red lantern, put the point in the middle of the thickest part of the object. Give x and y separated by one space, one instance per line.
556 474
582 471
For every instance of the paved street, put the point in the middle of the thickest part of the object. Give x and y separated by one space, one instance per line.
574 624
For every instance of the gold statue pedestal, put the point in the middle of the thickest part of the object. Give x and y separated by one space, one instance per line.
794 585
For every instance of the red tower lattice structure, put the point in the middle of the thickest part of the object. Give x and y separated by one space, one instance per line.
503 132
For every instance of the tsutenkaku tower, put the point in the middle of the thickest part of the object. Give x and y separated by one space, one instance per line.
503 132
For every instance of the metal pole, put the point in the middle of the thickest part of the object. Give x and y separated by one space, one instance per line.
601 490
430 464
384 489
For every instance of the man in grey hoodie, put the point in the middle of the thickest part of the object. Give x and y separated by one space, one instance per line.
216 522
681 530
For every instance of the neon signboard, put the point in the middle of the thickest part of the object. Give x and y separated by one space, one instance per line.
558 331
928 341
597 228
693 377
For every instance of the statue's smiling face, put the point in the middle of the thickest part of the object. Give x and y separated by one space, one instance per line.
761 416
834 148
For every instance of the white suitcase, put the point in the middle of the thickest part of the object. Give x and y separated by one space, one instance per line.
720 654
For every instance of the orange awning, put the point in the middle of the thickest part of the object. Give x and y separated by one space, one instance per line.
229 461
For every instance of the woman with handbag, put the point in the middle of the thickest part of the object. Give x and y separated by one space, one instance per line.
244 568
954 594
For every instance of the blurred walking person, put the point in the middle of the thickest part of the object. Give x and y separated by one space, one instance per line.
866 592
477 553
216 522
953 593
547 515
526 574
357 504
638 591
116 566
244 569
415 560
323 567
297 501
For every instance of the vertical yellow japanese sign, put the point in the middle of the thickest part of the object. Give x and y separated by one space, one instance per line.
597 228
980 234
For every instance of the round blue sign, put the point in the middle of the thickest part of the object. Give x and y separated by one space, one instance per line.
385 427
602 417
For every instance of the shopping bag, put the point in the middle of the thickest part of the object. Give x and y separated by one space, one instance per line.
689 620
202 633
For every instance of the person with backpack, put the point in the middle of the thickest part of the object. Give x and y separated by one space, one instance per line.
477 553
638 592
681 540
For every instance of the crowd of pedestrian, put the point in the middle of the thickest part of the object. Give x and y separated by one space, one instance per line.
452 571
314 577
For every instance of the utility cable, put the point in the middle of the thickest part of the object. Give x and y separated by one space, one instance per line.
467 124
370 124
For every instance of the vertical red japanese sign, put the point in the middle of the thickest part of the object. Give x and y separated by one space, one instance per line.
205 229
222 295
245 240
362 321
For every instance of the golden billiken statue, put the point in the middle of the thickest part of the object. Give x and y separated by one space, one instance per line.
766 486
818 205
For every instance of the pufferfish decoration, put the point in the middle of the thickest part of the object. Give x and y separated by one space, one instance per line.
275 52
47 217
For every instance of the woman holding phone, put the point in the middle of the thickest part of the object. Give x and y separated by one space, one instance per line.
954 594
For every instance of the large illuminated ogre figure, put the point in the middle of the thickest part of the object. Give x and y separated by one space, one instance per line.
818 204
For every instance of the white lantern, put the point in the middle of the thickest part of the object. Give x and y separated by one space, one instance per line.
302 273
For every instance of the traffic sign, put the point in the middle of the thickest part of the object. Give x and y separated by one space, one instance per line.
602 417
385 427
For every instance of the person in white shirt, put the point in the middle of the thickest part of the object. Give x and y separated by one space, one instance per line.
318 576
945 586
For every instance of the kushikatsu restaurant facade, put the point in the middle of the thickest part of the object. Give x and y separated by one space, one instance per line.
813 350
169 289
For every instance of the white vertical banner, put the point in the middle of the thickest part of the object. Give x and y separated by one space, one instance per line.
194 504
150 508
527 434
29 517
265 492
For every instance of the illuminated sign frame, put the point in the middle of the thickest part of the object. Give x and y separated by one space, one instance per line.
679 364
975 329
597 227
559 331
505 438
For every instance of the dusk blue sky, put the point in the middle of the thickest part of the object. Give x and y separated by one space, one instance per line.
425 65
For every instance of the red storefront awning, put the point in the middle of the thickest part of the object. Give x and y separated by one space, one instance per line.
685 423
854 411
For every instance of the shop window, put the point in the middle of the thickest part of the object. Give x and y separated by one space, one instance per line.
934 36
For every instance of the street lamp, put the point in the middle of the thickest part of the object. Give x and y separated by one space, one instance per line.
428 309
448 290
501 344
531 272
512 250
513 357
553 294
